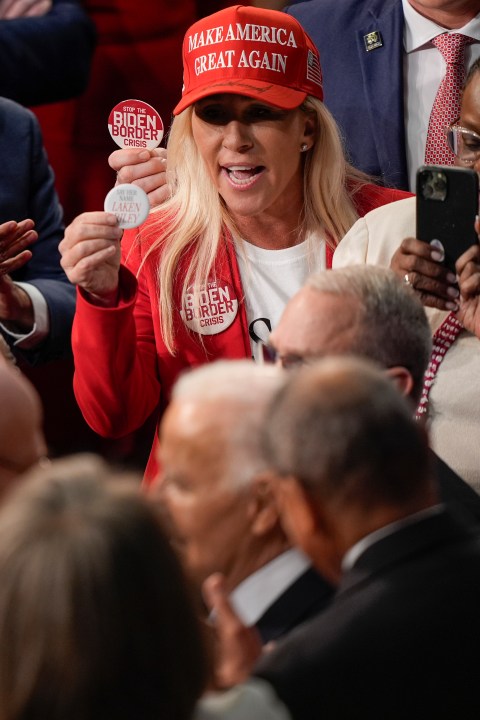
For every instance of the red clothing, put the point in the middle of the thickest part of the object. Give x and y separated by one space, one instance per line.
123 370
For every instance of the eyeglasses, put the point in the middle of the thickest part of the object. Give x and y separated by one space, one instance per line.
464 143
288 362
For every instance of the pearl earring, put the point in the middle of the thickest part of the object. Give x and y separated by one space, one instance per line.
303 147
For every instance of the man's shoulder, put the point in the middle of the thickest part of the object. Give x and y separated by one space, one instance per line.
402 207
392 604
12 114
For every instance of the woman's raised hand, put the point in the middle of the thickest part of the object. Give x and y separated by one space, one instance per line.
91 255
145 168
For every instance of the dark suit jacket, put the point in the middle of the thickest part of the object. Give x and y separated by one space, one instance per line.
27 191
453 490
305 598
46 59
401 638
363 89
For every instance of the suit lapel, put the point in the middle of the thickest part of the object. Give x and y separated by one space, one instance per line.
382 72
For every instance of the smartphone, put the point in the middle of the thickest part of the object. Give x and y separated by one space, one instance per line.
447 203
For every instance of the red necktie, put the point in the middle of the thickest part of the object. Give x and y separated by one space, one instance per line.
446 107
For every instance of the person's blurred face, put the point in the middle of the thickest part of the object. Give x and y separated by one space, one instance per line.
447 13
252 151
314 324
209 519
22 442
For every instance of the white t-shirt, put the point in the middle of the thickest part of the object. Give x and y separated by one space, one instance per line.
270 278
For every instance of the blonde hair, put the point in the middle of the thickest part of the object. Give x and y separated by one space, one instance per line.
195 217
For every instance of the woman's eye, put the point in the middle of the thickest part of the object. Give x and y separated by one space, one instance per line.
214 114
262 112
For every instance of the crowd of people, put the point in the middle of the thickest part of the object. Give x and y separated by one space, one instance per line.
289 368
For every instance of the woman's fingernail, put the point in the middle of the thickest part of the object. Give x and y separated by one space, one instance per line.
437 256
453 292
451 306
451 278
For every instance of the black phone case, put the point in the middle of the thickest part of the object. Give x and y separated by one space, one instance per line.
452 219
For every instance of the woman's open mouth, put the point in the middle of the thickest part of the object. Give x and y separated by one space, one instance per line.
243 175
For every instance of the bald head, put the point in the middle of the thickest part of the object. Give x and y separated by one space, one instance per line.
22 442
341 428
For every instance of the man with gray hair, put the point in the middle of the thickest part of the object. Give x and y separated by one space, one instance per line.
218 500
358 310
367 311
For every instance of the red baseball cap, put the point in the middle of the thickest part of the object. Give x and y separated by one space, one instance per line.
260 53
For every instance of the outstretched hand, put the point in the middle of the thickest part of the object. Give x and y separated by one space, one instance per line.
237 647
16 311
15 238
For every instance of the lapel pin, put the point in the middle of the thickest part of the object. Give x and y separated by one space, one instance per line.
373 40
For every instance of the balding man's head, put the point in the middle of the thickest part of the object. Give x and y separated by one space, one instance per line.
348 456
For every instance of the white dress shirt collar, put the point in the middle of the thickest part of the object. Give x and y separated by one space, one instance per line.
257 592
352 555
419 30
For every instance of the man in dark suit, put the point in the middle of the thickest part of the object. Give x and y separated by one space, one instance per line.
219 504
400 639
37 303
377 99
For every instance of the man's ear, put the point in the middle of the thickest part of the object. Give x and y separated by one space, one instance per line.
402 378
263 509
308 524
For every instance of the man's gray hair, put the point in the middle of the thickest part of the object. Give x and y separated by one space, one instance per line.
242 389
392 327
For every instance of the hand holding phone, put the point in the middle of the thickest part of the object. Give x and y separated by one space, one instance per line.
446 206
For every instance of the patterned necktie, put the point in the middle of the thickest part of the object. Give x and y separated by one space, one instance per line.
446 107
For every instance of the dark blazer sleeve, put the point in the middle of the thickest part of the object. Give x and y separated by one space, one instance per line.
27 191
46 59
